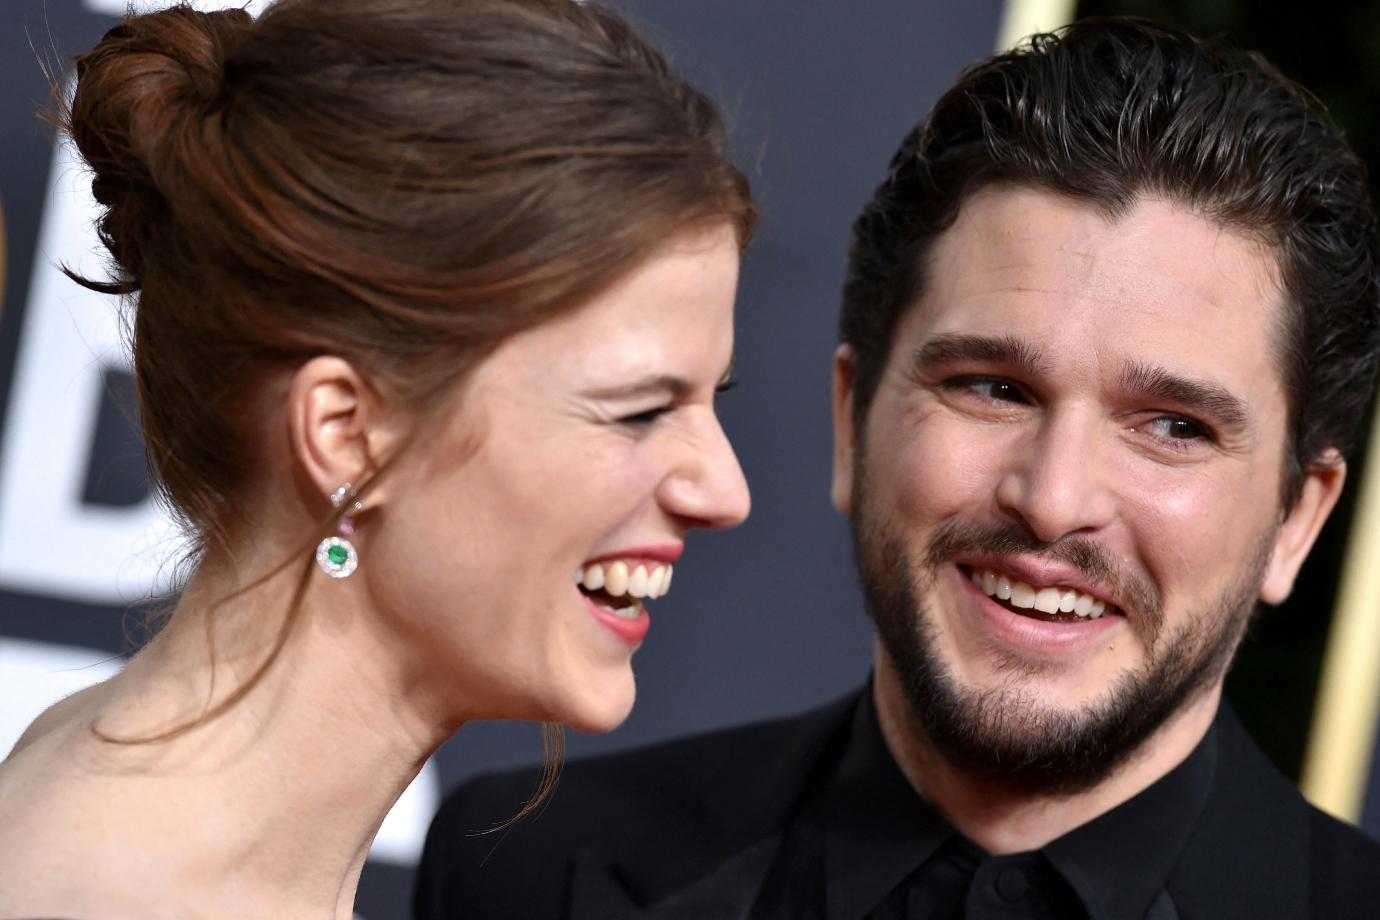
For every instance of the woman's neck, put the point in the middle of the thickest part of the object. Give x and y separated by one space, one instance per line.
287 787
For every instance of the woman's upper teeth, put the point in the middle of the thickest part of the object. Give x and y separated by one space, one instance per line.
1052 599
635 579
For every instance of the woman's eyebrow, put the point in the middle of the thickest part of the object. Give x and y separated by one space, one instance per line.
726 378
670 384
676 387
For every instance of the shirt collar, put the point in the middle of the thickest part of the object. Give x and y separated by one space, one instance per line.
1120 861
878 830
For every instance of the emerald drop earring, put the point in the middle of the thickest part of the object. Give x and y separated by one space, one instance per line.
336 555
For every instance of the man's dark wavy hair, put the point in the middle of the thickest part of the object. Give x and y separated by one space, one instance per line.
1110 109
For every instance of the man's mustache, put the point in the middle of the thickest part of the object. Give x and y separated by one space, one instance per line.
1135 594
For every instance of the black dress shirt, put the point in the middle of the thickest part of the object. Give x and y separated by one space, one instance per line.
865 846
693 828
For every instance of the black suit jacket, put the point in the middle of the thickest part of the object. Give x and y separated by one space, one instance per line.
688 828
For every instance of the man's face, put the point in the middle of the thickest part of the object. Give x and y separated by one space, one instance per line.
1079 416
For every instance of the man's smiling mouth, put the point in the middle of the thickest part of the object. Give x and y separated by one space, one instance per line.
1051 603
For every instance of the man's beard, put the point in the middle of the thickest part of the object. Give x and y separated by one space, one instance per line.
1007 732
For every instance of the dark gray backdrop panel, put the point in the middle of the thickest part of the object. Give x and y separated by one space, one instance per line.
764 619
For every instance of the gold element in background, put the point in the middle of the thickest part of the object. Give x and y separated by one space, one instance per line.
1020 18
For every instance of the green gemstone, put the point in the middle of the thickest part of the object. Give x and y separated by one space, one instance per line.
337 554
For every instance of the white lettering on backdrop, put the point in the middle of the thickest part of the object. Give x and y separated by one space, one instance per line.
50 542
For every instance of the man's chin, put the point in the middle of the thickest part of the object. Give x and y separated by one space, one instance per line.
1016 734
1004 731
1009 736
1051 730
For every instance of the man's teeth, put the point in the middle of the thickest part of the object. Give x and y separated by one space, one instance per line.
1045 600
617 579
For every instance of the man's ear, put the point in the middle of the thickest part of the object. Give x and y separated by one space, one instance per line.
1322 486
337 424
845 445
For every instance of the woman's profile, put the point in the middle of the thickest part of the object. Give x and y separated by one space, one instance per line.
429 301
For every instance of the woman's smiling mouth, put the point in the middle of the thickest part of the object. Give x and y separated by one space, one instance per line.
615 589
621 584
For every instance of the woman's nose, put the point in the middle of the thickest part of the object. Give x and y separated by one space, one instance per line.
707 488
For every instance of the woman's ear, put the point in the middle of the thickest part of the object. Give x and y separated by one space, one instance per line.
338 424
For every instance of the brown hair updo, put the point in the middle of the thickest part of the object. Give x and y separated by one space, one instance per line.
403 183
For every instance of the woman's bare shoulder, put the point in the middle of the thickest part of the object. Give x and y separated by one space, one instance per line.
53 827
60 856
57 716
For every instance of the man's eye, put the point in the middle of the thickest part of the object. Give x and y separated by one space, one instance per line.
1178 433
1177 428
995 390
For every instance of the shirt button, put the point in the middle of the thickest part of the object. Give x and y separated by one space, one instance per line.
1012 883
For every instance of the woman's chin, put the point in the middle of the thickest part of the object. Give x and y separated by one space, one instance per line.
598 709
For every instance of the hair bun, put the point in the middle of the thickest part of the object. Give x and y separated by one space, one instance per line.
139 95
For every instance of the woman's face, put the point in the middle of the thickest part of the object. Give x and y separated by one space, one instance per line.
587 447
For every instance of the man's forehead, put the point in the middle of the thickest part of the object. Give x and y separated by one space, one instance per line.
1156 286
1153 252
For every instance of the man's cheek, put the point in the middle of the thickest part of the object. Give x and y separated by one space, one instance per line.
960 468
1188 530
935 482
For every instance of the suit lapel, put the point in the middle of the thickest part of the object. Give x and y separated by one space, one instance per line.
725 892
597 891
1248 857
711 868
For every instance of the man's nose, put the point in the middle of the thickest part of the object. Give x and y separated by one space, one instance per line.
1058 483
707 487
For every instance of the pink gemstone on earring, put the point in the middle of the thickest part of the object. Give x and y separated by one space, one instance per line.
347 526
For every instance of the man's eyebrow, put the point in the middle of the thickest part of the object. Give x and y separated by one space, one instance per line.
1150 382
956 348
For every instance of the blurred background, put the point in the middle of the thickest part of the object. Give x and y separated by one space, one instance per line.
765 619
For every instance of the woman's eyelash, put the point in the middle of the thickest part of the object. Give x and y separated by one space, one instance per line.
646 417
